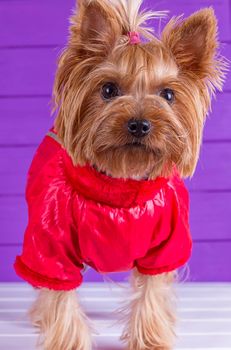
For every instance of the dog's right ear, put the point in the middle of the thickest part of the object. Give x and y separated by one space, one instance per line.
95 27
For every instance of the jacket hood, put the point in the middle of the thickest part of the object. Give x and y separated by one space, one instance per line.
114 192
101 188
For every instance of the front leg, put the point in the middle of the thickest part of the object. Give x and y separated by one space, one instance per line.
150 314
62 323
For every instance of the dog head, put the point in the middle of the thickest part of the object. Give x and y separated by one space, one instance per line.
136 109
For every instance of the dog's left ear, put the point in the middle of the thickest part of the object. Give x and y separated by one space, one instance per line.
193 43
95 27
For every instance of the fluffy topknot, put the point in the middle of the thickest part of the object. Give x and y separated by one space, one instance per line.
125 15
133 19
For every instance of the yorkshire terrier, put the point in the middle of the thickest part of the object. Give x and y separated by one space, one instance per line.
105 187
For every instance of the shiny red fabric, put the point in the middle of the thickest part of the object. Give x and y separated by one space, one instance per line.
79 216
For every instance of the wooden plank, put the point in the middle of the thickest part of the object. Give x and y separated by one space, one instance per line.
111 326
13 218
210 216
204 224
14 163
26 29
25 343
210 261
213 172
218 125
19 314
28 342
39 23
185 291
102 325
30 71
26 120
27 72
112 302
197 293
104 342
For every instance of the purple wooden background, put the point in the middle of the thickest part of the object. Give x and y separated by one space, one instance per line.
32 34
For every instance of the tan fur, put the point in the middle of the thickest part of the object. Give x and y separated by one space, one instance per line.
185 59
62 323
150 314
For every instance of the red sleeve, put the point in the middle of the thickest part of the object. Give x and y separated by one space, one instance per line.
50 256
172 244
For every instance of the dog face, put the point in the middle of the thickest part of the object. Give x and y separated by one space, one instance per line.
135 111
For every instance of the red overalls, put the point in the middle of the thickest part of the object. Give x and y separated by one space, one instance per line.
78 215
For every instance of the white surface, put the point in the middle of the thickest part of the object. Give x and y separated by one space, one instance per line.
204 313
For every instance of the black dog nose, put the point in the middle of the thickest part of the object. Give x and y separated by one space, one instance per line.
139 128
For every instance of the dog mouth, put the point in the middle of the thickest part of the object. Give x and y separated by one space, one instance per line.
131 148
134 144
139 146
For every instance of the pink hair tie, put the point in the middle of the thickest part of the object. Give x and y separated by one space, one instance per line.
134 38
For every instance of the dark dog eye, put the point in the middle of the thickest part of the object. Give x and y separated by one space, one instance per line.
110 91
168 95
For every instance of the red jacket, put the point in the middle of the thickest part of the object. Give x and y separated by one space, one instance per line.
78 215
